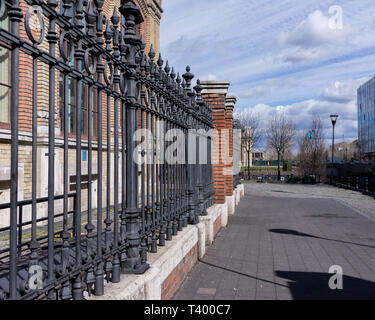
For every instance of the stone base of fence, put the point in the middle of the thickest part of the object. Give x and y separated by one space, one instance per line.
172 263
213 221
238 193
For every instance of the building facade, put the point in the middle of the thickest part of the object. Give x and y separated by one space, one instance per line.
366 119
149 29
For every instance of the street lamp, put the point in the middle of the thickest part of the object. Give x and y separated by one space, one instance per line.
333 120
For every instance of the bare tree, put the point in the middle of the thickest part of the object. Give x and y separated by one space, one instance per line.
251 134
280 136
312 152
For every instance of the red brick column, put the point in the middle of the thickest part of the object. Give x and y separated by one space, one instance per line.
230 102
215 93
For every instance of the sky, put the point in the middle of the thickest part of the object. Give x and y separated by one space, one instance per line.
297 57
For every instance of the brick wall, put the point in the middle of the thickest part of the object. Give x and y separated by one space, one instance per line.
230 102
215 94
217 225
174 280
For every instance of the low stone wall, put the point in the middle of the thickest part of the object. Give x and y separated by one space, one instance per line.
172 263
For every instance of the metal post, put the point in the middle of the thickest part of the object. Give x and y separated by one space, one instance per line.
99 272
333 152
79 56
15 16
333 120
133 262
192 167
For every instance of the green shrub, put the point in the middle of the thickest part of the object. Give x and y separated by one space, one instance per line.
287 166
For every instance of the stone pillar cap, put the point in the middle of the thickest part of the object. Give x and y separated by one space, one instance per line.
215 87
230 101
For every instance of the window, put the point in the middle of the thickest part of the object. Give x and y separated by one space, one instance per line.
72 103
72 107
4 76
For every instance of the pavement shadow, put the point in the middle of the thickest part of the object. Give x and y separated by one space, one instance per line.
300 234
314 286
240 273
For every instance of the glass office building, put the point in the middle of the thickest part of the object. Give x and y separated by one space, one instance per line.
366 119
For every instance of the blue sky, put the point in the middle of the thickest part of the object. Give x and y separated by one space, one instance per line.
278 54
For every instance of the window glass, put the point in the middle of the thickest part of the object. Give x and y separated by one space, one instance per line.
72 107
4 76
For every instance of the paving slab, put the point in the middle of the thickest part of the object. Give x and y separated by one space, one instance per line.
281 243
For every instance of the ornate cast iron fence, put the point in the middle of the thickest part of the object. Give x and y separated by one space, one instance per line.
139 204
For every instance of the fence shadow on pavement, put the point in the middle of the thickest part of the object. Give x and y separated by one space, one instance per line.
314 286
300 234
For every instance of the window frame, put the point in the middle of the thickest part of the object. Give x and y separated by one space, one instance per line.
7 125
72 114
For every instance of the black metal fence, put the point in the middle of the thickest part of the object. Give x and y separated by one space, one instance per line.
146 202
357 176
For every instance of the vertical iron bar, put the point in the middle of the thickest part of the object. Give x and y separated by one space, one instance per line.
79 56
162 185
52 39
90 254
115 19
66 236
123 180
108 221
99 274
65 255
174 189
169 191
157 174
116 261
186 207
34 245
20 213
89 226
143 210
15 16
152 158
148 207
180 190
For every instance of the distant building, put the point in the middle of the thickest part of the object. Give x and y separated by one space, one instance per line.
366 119
258 155
344 151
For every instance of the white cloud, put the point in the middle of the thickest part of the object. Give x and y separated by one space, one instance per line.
312 38
341 92
313 32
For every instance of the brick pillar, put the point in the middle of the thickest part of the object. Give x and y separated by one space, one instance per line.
230 102
215 93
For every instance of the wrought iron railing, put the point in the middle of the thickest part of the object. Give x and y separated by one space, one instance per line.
139 204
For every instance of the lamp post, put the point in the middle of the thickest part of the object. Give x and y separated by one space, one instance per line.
333 120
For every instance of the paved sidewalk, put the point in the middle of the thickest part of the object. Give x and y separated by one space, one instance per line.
277 247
